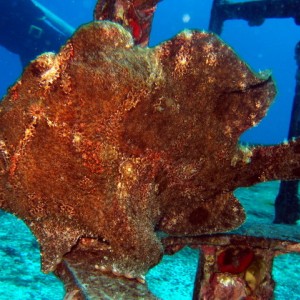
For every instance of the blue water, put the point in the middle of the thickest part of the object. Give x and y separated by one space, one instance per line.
270 46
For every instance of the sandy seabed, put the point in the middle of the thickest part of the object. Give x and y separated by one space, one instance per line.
172 279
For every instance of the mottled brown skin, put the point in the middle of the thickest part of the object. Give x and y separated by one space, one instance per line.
106 143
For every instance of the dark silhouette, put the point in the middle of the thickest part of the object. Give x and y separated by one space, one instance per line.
28 29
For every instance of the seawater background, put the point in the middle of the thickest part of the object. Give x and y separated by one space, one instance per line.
270 46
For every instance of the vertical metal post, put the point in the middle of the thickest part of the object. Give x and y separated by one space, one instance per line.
287 201
216 19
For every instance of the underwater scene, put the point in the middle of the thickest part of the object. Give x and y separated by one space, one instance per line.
149 149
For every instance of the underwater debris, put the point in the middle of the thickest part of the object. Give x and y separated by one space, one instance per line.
135 15
233 266
121 141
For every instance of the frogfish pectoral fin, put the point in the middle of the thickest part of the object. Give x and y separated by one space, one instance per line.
220 214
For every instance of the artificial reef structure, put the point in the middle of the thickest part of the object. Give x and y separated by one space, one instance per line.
106 143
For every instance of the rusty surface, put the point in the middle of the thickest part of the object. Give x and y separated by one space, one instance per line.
105 143
237 276
135 15
174 244
233 266
85 279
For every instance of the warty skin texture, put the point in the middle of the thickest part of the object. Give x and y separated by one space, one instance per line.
106 143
